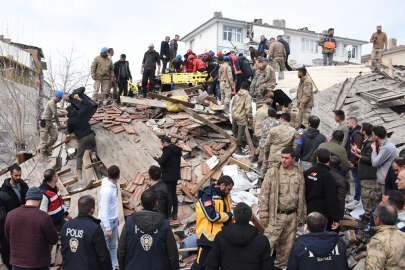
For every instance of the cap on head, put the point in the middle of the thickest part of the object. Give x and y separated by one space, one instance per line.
178 57
104 50
264 60
59 94
151 45
34 194
226 58
211 53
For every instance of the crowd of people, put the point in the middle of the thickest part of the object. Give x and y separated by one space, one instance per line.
304 179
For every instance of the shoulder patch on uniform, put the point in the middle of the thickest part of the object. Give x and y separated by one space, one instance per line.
207 203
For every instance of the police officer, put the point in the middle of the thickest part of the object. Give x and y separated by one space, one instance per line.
48 131
213 210
282 205
83 243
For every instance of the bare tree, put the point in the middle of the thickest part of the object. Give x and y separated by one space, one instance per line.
68 71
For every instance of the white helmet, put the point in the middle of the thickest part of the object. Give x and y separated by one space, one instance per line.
225 51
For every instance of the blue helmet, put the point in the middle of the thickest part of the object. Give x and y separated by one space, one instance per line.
227 58
211 53
178 57
104 50
264 60
59 94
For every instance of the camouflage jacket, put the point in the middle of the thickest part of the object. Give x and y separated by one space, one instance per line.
225 74
305 95
276 50
386 249
279 137
102 68
242 107
268 123
51 112
270 190
261 114
269 78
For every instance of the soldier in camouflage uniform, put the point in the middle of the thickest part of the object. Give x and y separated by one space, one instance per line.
267 124
102 72
258 73
268 80
225 82
386 249
305 98
278 55
48 131
282 205
241 113
279 137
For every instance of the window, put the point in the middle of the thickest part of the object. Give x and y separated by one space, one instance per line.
232 33
309 45
354 52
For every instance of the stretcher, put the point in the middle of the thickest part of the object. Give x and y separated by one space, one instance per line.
194 78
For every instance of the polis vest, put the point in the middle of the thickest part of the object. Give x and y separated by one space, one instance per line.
77 248
146 250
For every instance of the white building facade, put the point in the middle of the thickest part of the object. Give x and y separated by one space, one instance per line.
219 33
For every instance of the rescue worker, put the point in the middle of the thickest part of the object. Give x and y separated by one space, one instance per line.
213 210
380 44
114 85
225 82
102 72
236 71
305 98
282 205
165 53
198 65
261 114
52 201
176 65
241 114
268 80
48 131
82 239
278 55
247 72
79 116
287 50
151 59
328 44
268 124
258 73
386 249
279 137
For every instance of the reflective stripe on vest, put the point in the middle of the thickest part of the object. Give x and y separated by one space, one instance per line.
55 202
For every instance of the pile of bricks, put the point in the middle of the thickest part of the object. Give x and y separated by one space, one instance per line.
133 191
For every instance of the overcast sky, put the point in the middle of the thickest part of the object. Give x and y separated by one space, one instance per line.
129 26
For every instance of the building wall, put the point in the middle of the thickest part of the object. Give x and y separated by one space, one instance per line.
204 40
397 58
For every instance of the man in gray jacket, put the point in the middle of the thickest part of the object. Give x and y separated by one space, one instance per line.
384 153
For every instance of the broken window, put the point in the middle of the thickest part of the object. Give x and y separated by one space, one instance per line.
381 95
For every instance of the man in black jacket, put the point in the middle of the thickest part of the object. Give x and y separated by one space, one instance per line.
287 51
170 165
12 195
240 245
122 74
161 190
308 142
318 249
79 115
165 53
83 242
146 241
151 58
246 71
320 189
367 174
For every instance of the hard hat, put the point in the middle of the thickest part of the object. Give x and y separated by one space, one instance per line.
211 53
225 51
59 94
219 53
189 51
104 50
178 57
227 58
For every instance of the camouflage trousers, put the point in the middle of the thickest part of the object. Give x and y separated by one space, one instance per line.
48 136
102 86
303 116
226 94
281 236
371 194
376 56
255 85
